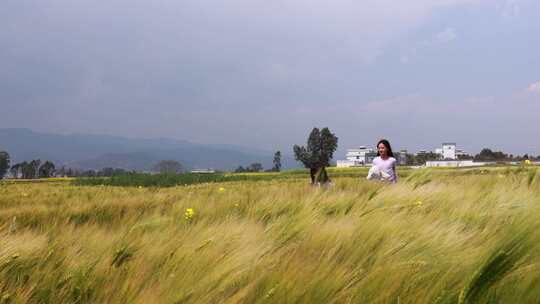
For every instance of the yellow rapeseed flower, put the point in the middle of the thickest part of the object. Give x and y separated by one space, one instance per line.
189 213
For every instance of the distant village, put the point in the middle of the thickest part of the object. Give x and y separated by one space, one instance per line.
448 155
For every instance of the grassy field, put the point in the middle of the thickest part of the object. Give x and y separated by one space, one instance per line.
438 236
170 180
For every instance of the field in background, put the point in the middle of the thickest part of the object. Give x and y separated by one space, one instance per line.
170 180
439 236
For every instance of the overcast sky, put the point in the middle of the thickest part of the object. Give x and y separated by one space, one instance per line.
263 73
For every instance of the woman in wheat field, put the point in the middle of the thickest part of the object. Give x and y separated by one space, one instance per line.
384 165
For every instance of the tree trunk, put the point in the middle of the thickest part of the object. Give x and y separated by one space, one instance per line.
320 177
312 173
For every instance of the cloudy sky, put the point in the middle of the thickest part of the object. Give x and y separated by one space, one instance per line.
263 73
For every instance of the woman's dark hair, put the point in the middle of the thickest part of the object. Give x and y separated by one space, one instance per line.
387 145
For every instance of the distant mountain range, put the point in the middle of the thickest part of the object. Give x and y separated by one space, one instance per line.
87 151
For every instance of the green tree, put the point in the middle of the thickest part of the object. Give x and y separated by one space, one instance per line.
35 167
168 167
255 167
320 149
26 170
46 170
421 158
4 163
466 157
489 155
240 169
277 162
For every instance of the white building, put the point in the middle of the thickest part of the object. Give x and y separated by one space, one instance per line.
203 171
449 151
453 163
358 157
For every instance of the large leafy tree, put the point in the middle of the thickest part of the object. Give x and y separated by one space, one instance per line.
316 156
4 163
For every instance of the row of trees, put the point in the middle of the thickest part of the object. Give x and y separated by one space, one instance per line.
257 167
484 155
38 169
105 172
489 155
27 170
33 169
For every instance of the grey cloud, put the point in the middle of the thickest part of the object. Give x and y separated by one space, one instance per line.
246 72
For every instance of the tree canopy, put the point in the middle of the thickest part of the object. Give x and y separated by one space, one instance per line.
316 156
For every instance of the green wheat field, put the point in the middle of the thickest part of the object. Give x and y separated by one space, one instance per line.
438 236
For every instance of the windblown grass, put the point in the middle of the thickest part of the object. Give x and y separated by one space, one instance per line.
439 236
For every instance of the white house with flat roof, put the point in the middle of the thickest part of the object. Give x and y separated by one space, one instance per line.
360 156
449 151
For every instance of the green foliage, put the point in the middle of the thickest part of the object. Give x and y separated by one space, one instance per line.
46 170
277 162
4 163
168 180
421 158
33 169
255 167
489 155
317 154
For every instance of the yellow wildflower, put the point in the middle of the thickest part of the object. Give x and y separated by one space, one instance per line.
189 213
527 162
418 203
221 189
